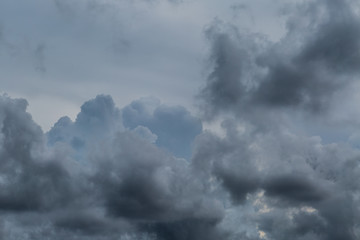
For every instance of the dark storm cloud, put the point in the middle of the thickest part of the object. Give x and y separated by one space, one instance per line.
133 179
341 215
131 187
302 186
90 224
324 63
149 184
30 182
294 188
335 219
155 191
229 160
239 185
319 55
125 183
190 229
231 55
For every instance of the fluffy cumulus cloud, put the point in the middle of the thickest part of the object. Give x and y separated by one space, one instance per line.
94 179
174 127
151 171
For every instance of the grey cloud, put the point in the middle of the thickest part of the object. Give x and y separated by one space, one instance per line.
317 57
324 63
35 180
98 119
341 216
99 113
112 174
302 225
132 178
91 224
294 188
229 160
125 186
228 82
120 185
149 184
174 127
190 229
309 224
300 184
145 133
239 184
335 219
155 191
30 182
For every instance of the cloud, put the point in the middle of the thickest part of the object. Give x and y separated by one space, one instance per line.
150 171
281 182
318 57
97 120
232 59
294 188
174 127
150 184
116 183
29 181
187 229
120 184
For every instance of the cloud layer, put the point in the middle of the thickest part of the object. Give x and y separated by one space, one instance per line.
152 171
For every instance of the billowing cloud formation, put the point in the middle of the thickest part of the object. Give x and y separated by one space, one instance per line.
299 187
288 181
93 179
98 118
174 127
29 182
118 184
318 56
149 171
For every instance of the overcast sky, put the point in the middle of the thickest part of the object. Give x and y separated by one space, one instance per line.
180 119
57 54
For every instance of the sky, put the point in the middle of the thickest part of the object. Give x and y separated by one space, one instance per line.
179 119
128 49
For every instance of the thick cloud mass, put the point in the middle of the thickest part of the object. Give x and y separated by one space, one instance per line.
94 179
294 188
150 171
317 57
29 181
